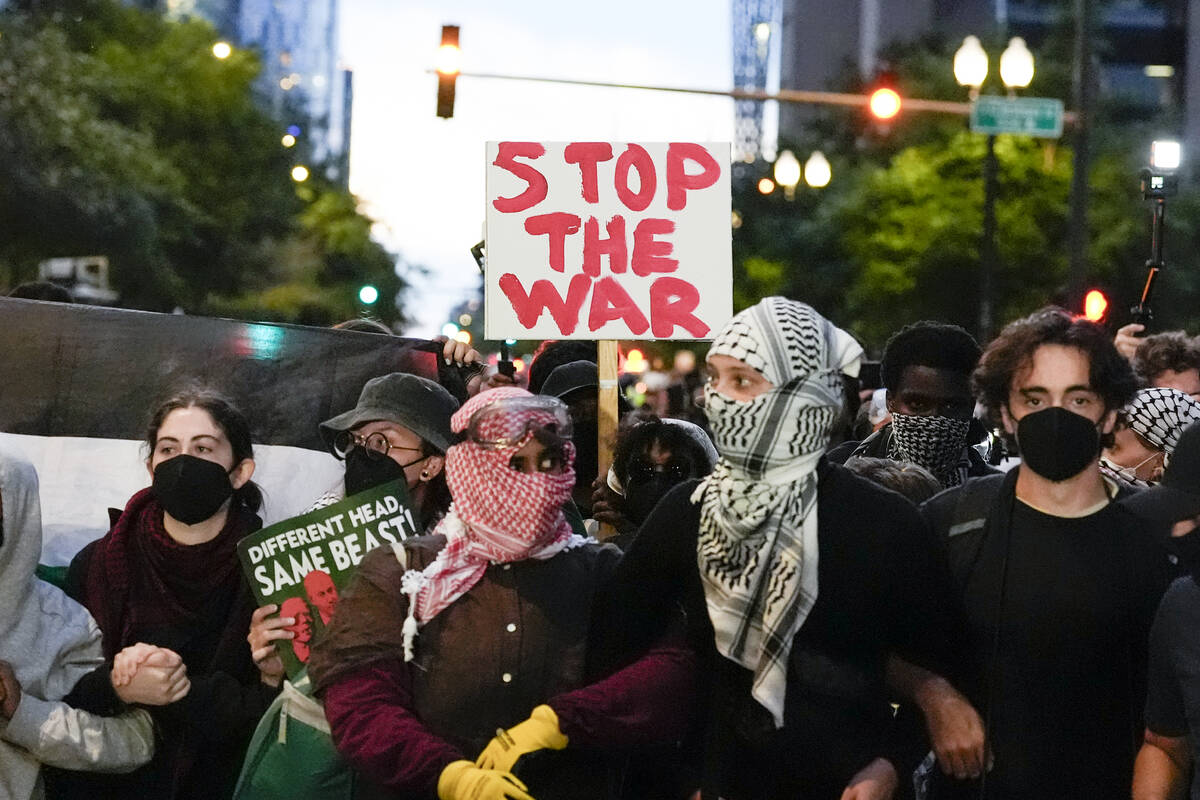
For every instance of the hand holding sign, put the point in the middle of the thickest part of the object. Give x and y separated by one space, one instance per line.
662 266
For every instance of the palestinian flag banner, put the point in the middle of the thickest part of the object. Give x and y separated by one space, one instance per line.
79 384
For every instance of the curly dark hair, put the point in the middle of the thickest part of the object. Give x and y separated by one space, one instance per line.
1109 375
1173 350
928 344
636 436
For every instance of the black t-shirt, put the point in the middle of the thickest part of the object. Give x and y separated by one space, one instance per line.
882 588
1067 670
1173 695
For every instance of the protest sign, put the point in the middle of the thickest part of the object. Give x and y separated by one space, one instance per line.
607 240
303 563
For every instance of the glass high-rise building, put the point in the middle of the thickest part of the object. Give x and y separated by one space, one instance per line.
302 81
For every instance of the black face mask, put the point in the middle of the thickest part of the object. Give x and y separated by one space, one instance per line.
641 499
191 489
586 452
365 471
647 483
1057 444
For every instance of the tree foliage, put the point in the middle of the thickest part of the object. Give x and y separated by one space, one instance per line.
896 236
121 134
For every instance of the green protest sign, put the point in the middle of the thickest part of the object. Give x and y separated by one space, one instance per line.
303 563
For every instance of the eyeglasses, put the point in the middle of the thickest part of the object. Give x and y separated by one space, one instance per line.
512 422
376 444
642 471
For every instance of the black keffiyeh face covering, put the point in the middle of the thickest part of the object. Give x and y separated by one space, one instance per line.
936 443
757 550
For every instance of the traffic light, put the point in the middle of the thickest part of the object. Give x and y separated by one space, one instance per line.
367 295
447 69
884 104
1095 305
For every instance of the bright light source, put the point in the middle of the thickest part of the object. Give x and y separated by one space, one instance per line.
464 319
510 342
817 172
1095 304
787 170
1165 154
449 56
1016 64
288 140
449 330
885 103
294 130
735 220
1159 71
766 186
368 294
222 50
519 364
635 362
463 336
299 173
970 63
762 31
286 84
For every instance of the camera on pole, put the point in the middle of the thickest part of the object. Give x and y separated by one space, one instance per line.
1159 182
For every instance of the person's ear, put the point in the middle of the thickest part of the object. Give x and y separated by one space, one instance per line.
888 402
1108 422
1010 425
241 474
433 467
150 469
1159 467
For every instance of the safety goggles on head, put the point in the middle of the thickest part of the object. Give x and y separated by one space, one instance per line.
513 421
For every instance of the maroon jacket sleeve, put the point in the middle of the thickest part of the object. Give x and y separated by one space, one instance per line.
370 715
648 702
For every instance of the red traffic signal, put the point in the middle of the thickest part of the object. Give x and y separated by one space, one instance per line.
884 103
1095 305
447 69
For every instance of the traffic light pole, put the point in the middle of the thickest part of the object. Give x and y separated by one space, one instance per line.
988 255
782 96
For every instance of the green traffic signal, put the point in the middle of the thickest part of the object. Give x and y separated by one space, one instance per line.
367 295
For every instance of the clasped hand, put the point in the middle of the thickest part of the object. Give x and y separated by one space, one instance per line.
148 675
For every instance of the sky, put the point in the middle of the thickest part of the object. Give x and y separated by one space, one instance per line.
422 177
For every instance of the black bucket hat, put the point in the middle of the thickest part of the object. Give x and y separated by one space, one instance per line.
417 403
1178 496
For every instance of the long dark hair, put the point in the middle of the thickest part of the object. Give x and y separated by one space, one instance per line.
229 419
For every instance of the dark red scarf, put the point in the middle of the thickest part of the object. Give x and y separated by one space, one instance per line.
139 576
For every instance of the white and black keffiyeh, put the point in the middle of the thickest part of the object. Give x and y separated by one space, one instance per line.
757 549
1160 415
937 443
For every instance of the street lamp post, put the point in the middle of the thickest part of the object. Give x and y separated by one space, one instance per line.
1016 72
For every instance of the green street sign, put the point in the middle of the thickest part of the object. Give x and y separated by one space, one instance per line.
1031 116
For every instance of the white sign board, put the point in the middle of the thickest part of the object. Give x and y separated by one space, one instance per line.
607 240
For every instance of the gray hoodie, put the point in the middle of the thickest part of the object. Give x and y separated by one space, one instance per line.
51 642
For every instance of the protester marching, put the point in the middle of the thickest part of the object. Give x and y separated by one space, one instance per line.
259 560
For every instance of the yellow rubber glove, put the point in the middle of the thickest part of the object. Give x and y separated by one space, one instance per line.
539 732
462 780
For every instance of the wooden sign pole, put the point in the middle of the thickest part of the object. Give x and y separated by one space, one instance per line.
607 415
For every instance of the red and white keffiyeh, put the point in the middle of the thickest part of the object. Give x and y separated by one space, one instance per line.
498 514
